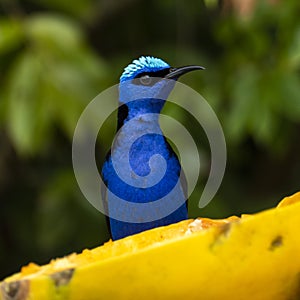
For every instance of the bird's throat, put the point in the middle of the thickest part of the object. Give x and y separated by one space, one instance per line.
142 113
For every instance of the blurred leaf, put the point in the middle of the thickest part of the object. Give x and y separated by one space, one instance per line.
53 32
211 3
294 52
21 102
290 95
244 98
11 35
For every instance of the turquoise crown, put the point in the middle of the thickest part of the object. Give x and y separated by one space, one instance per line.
141 65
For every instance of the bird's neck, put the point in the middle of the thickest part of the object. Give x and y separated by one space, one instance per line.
141 113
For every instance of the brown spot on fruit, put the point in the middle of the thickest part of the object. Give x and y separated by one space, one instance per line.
15 290
225 229
62 277
276 242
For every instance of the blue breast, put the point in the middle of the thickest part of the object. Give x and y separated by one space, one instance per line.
140 153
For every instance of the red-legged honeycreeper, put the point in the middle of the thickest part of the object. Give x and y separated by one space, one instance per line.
144 184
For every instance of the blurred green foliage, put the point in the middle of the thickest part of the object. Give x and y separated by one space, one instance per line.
56 56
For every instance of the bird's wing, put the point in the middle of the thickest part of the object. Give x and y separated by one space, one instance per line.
103 189
183 181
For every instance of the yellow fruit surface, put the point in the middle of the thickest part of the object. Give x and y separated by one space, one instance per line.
253 257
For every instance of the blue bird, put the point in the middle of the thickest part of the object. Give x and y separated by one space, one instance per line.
145 186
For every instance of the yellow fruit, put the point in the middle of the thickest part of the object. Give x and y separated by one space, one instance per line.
253 257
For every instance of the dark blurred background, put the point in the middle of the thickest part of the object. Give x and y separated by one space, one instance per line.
57 55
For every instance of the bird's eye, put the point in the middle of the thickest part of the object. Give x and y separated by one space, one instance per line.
146 80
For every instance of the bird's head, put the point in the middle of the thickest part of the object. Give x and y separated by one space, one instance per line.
150 77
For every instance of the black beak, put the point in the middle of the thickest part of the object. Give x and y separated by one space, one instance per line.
175 73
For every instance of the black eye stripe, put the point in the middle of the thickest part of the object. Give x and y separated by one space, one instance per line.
160 74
